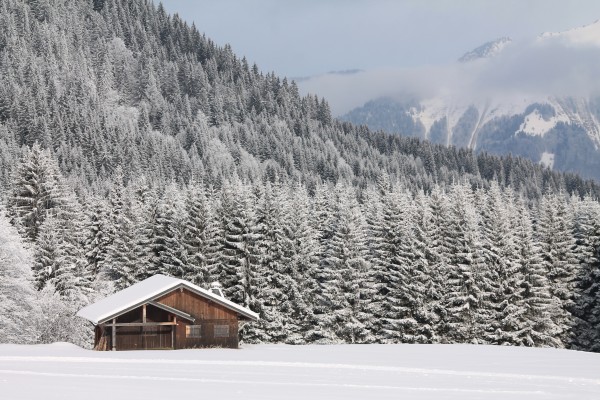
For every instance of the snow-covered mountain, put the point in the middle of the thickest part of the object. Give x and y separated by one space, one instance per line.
486 50
584 35
559 130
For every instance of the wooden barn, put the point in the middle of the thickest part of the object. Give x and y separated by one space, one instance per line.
162 312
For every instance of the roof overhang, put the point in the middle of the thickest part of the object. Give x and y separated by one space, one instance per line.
97 314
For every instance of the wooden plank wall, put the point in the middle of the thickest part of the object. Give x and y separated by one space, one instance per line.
207 314
134 338
207 338
195 305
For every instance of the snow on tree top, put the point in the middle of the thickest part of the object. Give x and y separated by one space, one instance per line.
147 290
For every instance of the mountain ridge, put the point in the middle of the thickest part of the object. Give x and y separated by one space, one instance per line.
486 50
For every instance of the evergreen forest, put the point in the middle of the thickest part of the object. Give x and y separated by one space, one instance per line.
131 144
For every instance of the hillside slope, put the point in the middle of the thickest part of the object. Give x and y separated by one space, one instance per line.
116 83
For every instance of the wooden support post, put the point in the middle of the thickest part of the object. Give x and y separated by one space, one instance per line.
142 329
173 332
114 335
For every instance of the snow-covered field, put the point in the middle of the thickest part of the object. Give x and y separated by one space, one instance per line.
63 371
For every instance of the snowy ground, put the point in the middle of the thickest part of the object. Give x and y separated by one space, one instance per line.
63 371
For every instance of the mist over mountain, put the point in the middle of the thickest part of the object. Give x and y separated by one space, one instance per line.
536 99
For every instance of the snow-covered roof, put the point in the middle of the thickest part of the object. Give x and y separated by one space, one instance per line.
148 290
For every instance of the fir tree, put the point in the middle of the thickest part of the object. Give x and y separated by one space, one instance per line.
438 226
586 334
37 190
273 279
303 264
169 255
96 244
325 282
529 319
122 259
240 250
557 245
395 298
195 237
469 286
500 257
425 282
345 270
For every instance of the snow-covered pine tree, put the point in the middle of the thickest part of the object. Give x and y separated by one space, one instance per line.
438 256
46 253
586 329
195 236
469 286
36 190
500 258
213 236
346 270
273 279
169 255
96 242
529 317
122 258
427 286
143 215
73 278
555 231
240 250
303 263
113 219
395 298
323 284
59 258
41 195
372 209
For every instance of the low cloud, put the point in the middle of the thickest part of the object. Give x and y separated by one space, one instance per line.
546 66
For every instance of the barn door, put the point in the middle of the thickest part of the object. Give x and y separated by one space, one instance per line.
157 337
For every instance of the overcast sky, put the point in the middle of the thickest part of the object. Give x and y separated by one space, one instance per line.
299 38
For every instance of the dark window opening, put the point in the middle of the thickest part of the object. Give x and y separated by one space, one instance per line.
221 331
